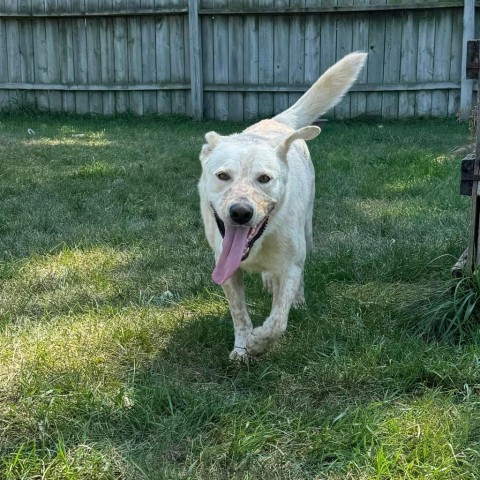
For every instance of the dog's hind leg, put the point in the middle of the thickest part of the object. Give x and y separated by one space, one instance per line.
235 293
284 293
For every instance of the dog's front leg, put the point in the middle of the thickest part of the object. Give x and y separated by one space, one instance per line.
235 293
285 289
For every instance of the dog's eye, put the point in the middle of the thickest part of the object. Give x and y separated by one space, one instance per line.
264 178
223 176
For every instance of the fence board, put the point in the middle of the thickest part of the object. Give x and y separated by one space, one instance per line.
441 62
281 41
235 65
148 54
220 61
250 62
328 39
358 102
135 99
94 68
456 61
120 56
376 34
265 60
208 60
162 42
344 46
426 39
408 64
107 63
296 60
391 65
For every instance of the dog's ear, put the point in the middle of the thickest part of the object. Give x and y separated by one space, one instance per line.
305 133
213 139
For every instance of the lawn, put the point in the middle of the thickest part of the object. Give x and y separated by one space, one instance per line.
114 341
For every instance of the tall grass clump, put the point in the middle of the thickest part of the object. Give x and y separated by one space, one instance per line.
449 311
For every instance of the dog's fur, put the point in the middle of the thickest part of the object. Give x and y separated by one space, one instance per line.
267 170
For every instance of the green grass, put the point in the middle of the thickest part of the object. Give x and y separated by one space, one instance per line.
114 341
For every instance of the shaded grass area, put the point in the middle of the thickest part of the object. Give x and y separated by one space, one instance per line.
114 341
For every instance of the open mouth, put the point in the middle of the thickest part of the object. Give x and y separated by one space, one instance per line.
254 233
237 243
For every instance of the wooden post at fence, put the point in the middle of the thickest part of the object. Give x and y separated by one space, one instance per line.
195 59
466 82
470 177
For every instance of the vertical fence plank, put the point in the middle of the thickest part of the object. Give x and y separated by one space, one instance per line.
4 96
250 61
376 33
134 51
220 57
441 62
162 50
281 41
186 74
328 40
196 74
207 59
391 66
344 46
468 34
66 60
408 63
52 52
149 56
26 52
121 56
312 46
296 51
265 60
94 68
13 59
426 41
107 68
455 61
235 64
177 60
360 43
40 55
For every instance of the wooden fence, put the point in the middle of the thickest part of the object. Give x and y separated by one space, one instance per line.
232 59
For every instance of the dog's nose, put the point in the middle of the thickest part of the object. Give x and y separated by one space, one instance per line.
241 213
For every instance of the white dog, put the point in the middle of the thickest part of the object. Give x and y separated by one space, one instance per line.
256 194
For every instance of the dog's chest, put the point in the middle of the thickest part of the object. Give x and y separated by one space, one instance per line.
266 257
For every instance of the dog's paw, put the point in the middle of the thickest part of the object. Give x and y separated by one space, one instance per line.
299 302
239 355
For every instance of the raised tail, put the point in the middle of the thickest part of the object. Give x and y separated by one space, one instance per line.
325 93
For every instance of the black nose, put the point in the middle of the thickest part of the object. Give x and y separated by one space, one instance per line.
241 213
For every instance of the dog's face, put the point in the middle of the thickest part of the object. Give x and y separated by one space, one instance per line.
243 180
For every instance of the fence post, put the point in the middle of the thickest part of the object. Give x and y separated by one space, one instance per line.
196 72
466 86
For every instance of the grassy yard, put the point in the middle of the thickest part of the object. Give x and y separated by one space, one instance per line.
114 341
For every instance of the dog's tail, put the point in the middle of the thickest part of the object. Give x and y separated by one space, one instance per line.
325 93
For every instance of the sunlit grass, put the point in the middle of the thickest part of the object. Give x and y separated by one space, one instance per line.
114 341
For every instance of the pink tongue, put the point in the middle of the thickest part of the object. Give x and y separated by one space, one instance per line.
233 246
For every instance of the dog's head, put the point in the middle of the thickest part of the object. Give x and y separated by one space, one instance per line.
243 180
